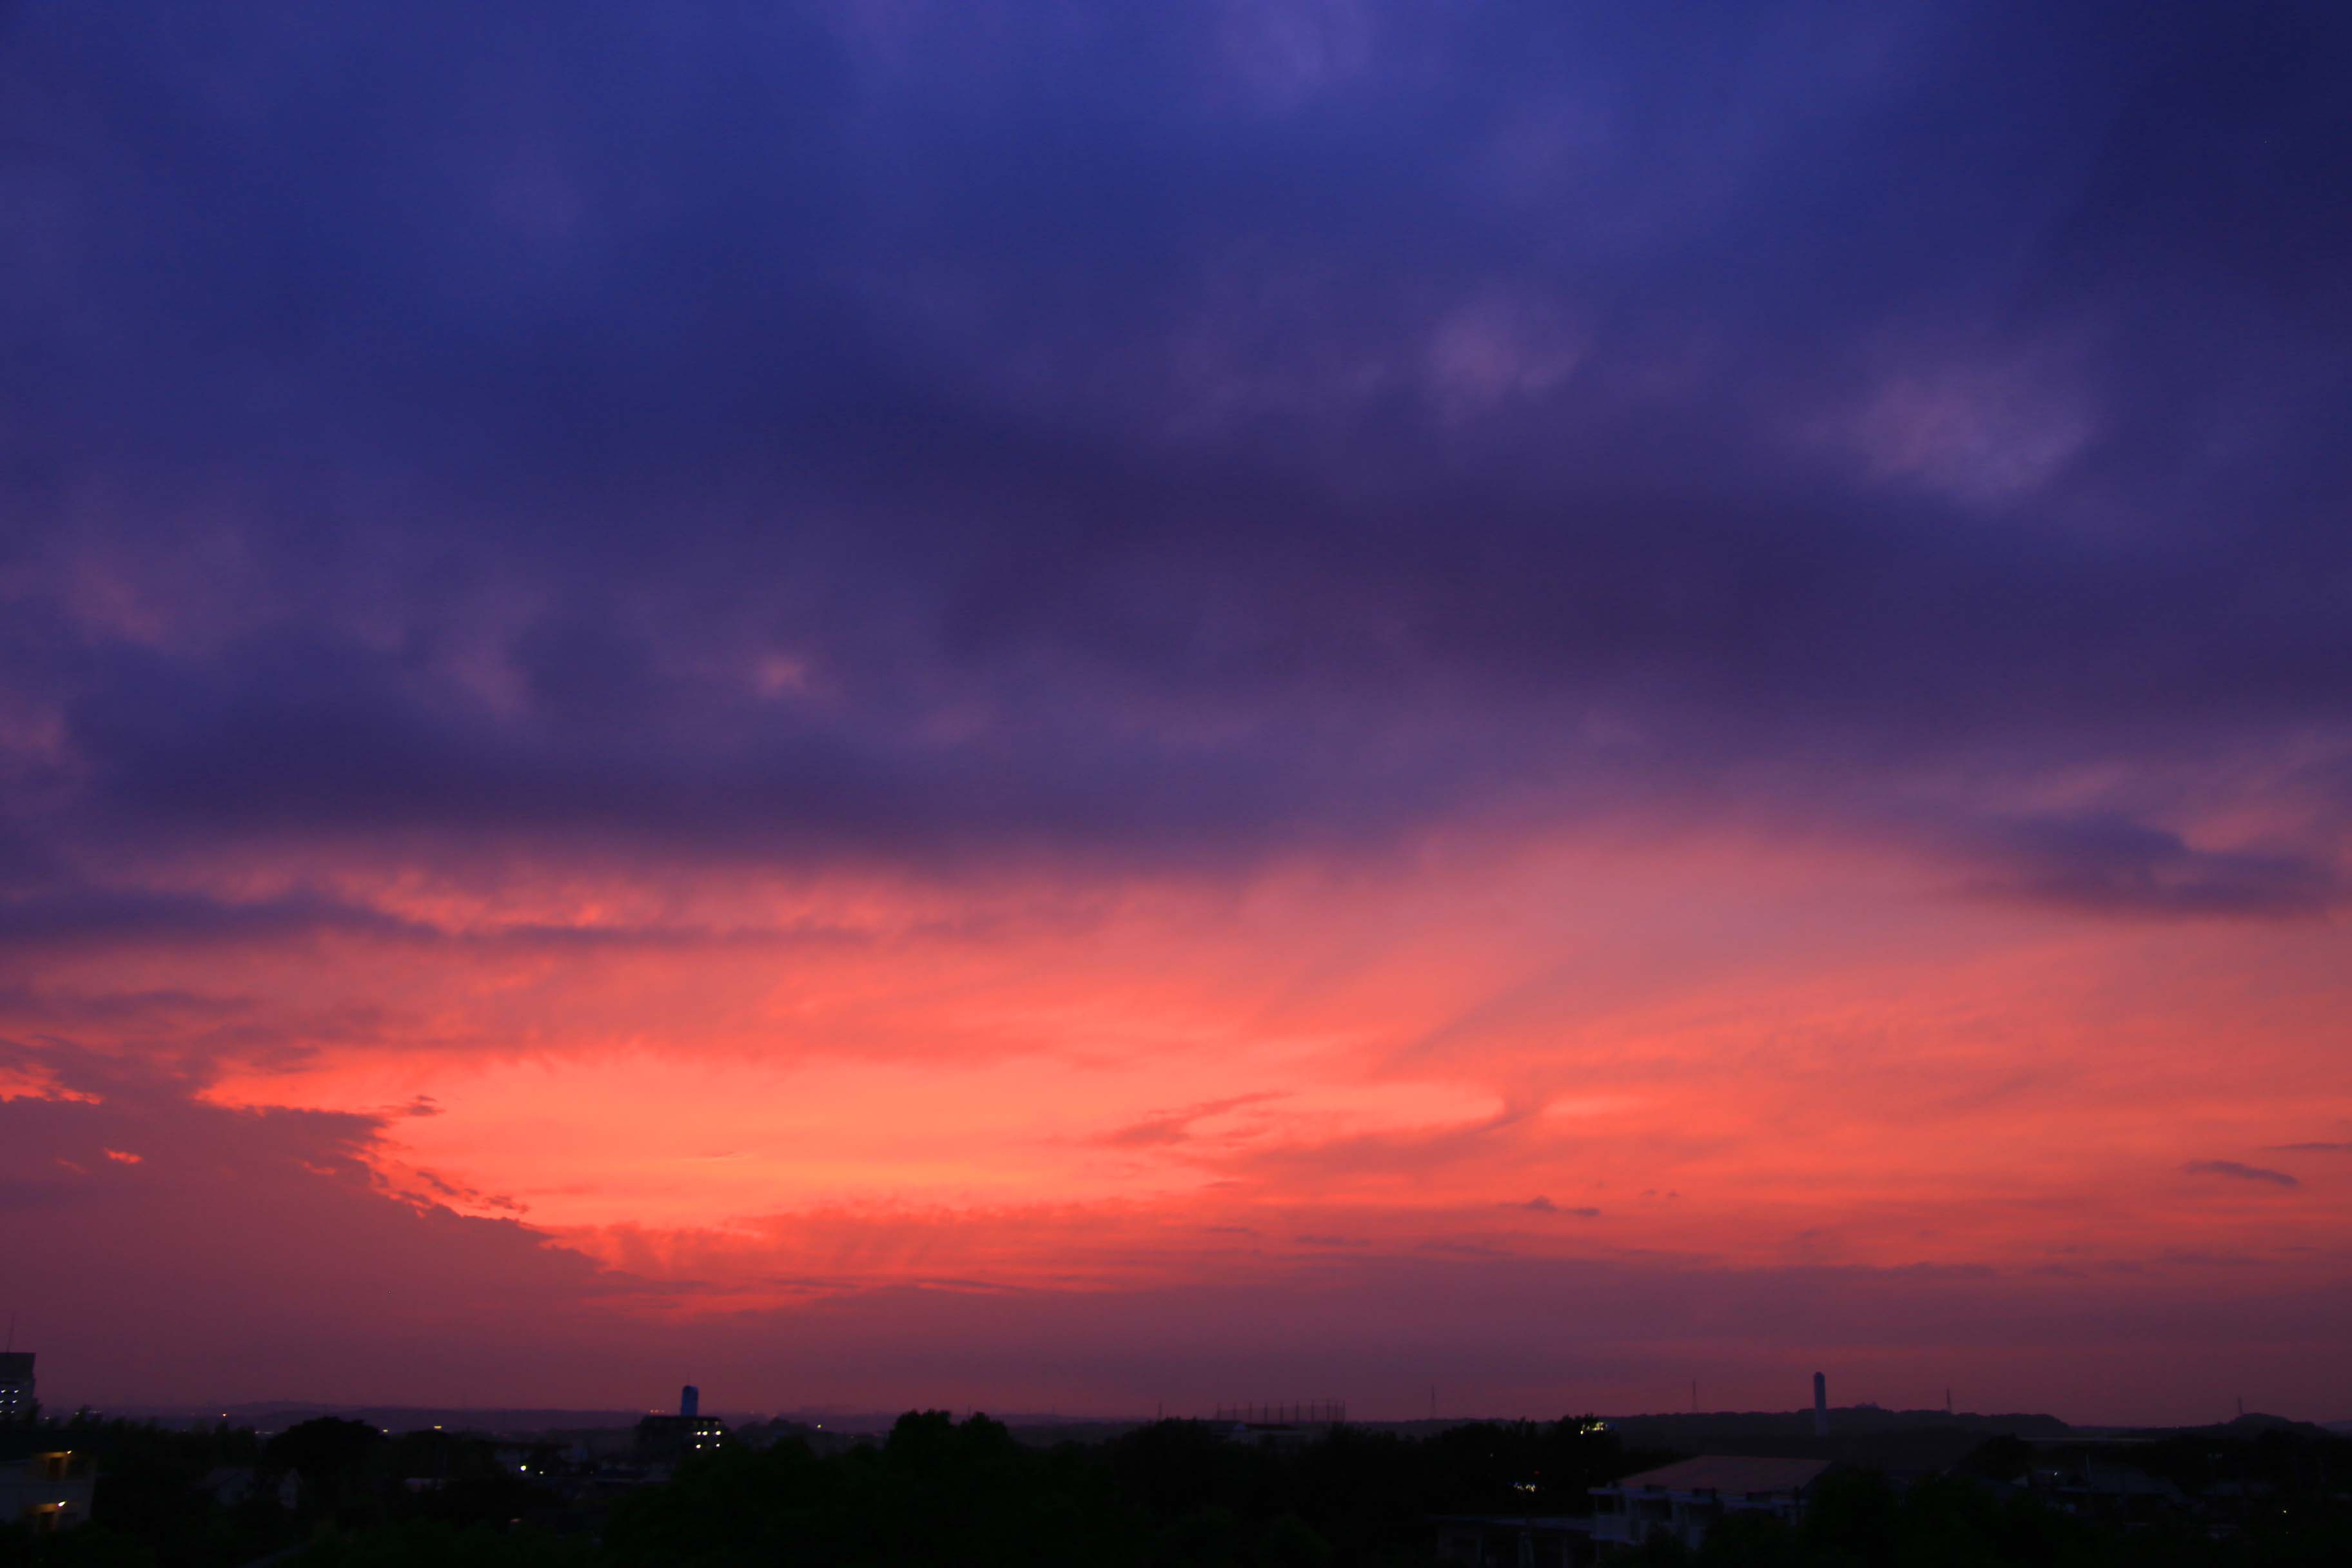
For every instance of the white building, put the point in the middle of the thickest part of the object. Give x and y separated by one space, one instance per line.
47 1489
1686 1500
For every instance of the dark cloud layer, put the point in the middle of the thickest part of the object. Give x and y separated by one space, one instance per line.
809 434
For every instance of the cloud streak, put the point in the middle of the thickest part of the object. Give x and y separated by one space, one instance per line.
1176 1126
2236 1171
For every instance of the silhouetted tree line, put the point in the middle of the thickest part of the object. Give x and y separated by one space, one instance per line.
211 1497
1172 1493
937 1491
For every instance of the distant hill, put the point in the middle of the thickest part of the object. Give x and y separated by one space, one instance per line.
275 1415
2253 1423
1898 1439
1847 1420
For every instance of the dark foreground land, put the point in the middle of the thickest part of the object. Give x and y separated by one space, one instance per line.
936 1490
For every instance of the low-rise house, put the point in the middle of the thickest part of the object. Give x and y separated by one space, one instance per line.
1686 1500
2106 1488
46 1487
1504 1540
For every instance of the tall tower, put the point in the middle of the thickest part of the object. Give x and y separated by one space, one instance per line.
689 1402
1820 1406
15 1385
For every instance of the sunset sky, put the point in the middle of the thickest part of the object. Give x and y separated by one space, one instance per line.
1078 706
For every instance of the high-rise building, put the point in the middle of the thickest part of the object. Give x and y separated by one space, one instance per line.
15 1385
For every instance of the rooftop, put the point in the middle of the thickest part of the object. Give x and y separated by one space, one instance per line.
1729 1473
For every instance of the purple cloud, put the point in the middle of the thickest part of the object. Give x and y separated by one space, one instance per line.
760 442
2238 1173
